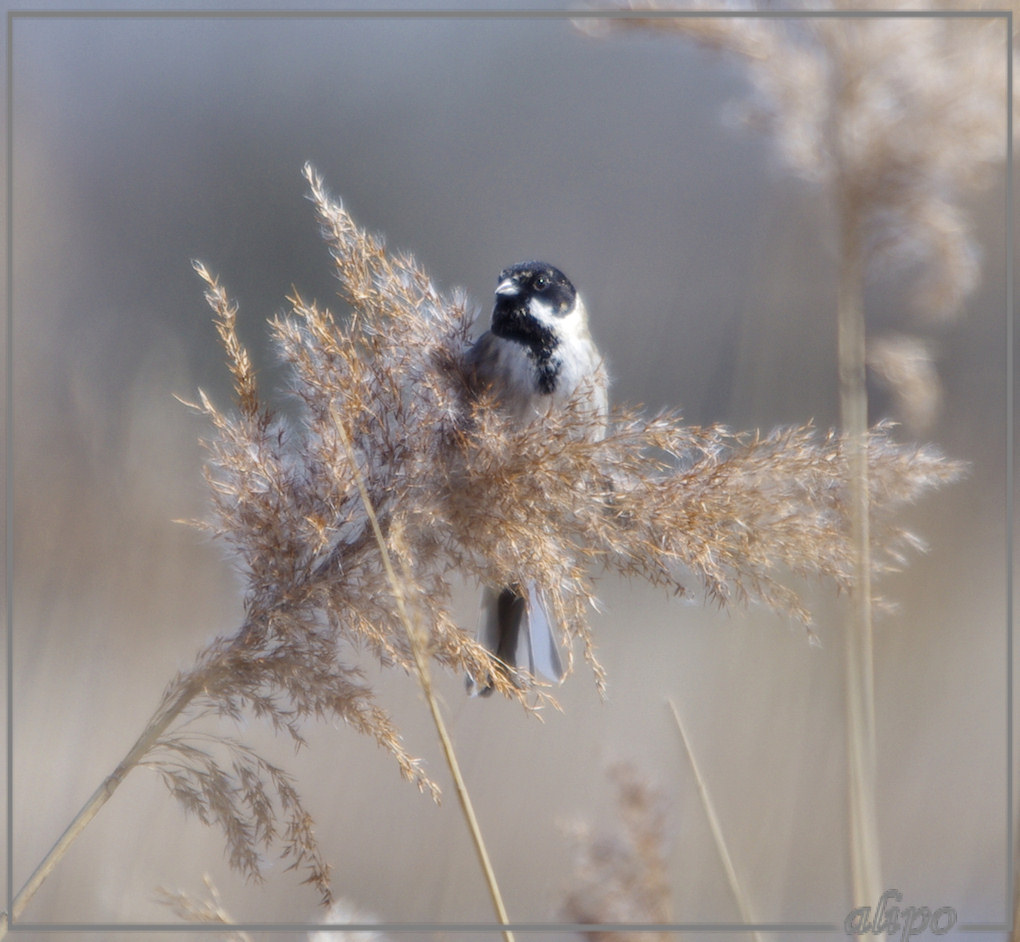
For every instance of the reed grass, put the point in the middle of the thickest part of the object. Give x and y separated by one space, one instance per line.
345 522
209 910
715 825
894 122
620 874
418 642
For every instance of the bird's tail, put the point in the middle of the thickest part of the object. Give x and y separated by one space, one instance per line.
516 629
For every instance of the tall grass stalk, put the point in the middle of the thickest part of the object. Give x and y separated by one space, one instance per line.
716 827
895 122
417 640
865 855
160 722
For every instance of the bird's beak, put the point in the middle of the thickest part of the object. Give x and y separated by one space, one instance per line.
508 286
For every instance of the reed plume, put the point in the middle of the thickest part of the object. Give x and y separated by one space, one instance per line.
895 120
207 908
456 485
620 876
388 426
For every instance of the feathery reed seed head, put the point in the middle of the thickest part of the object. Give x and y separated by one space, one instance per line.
459 486
899 117
621 876
456 485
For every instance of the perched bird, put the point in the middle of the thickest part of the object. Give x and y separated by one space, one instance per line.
536 356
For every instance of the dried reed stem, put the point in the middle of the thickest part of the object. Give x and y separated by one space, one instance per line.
715 826
425 679
157 725
865 861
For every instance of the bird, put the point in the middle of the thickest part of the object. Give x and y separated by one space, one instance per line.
536 356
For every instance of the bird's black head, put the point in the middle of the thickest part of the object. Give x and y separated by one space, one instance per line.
534 301
539 281
530 298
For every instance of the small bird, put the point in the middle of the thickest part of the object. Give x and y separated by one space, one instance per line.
536 356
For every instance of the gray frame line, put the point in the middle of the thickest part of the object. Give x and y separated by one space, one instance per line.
1006 924
8 477
488 927
453 14
8 413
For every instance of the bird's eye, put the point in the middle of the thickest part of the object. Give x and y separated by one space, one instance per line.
541 283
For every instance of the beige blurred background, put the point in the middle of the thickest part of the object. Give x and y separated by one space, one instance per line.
139 144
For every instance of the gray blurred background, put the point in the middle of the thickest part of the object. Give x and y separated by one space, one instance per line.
140 144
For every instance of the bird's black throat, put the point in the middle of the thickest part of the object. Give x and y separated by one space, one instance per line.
514 322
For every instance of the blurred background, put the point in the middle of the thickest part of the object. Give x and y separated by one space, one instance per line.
139 144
